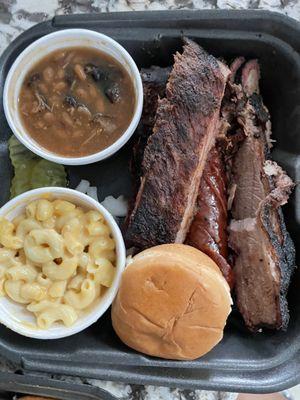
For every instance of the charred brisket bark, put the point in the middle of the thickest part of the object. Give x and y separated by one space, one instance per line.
265 254
174 158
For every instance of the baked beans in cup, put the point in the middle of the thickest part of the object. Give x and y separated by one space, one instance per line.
73 97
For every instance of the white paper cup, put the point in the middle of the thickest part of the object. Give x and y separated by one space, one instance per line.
14 315
37 51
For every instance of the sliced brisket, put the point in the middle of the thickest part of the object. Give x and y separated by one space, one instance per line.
185 130
265 254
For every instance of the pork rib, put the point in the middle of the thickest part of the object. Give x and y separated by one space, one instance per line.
265 254
154 87
185 130
208 231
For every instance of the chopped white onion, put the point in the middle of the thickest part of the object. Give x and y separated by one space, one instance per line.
83 186
92 192
117 207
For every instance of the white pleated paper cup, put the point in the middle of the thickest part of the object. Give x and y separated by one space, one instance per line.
41 48
15 316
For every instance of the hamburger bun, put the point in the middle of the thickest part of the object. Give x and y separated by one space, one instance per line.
173 303
189 253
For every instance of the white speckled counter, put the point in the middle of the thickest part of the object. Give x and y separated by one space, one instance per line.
19 15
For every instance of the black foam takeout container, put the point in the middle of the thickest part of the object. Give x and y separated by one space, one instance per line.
18 385
243 361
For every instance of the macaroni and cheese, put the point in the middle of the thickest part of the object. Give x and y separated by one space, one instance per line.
56 259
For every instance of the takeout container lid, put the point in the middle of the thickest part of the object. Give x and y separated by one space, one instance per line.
41 48
15 316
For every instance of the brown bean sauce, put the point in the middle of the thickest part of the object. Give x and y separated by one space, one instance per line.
77 101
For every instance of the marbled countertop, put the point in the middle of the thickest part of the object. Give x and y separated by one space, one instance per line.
19 15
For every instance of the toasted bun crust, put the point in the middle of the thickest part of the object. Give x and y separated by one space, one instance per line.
173 303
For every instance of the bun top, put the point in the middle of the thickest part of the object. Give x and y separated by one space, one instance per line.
173 303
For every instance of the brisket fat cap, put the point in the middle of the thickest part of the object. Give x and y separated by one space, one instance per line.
185 129
265 254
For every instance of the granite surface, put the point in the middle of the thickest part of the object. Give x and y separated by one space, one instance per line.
19 15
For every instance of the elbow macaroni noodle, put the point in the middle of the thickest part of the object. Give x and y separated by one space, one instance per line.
56 260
